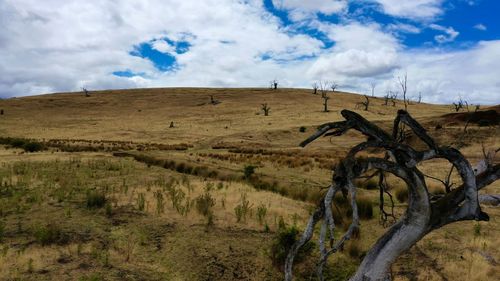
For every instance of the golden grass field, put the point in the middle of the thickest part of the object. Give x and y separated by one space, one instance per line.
119 144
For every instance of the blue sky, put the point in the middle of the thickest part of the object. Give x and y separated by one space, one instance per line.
450 49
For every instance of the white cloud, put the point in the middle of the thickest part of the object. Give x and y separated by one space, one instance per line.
403 28
414 9
327 7
449 36
46 49
480 26
443 77
163 46
354 55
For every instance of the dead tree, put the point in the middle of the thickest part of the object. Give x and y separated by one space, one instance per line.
213 101
419 100
325 98
460 104
366 103
333 86
323 88
404 88
86 92
423 215
266 109
315 88
274 84
373 85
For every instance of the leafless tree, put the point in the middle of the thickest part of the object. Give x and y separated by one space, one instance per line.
390 96
460 104
325 98
419 100
265 108
333 86
86 92
423 214
373 85
323 88
315 87
274 84
365 103
404 88
213 101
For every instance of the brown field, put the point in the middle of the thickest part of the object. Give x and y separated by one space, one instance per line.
155 181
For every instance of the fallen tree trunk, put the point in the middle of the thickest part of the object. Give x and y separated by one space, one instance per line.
423 213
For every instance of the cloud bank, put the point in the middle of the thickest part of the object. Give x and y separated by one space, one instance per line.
57 45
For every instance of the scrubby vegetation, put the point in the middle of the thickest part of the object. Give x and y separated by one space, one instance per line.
91 204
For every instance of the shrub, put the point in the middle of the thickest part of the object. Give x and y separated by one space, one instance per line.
50 234
343 208
2 230
282 243
477 230
141 202
370 184
365 208
33 146
160 203
248 171
402 194
95 199
302 129
204 204
353 249
241 210
261 213
109 209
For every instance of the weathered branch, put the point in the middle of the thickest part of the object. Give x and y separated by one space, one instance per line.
401 160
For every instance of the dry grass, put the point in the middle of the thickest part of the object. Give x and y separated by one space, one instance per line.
119 241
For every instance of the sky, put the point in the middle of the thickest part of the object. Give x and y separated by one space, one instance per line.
449 50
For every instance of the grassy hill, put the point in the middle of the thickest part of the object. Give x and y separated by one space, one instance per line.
116 193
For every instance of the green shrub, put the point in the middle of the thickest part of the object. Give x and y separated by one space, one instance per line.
302 129
50 234
365 208
248 171
33 146
477 230
2 230
204 204
160 203
283 242
402 194
95 199
353 249
141 202
342 270
261 213
242 209
108 209
93 277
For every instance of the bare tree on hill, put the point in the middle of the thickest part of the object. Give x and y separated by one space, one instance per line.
373 85
404 88
265 108
424 213
323 88
274 84
315 87
86 92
